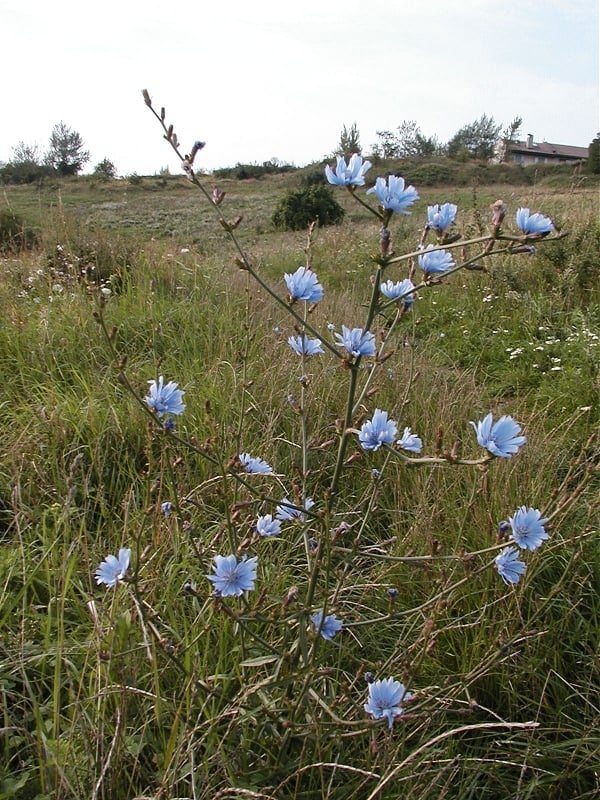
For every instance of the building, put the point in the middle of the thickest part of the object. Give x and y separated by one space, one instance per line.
530 152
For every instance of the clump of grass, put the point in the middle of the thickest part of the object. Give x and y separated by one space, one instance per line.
15 234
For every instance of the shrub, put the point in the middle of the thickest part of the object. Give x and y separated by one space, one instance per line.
25 172
105 170
299 207
15 235
314 178
243 172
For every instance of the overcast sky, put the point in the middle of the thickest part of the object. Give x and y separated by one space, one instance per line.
258 79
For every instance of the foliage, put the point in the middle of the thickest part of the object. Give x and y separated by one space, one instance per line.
242 172
25 166
407 142
105 170
592 164
26 154
349 141
475 140
25 172
298 208
313 177
66 151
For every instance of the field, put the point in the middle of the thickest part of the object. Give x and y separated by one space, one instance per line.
159 688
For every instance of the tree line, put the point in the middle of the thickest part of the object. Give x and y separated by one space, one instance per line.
65 155
483 139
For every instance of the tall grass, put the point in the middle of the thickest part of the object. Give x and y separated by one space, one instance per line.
158 690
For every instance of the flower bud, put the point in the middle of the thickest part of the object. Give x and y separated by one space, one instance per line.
499 210
217 196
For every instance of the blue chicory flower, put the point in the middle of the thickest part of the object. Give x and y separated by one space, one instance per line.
113 569
508 565
393 196
267 526
233 577
255 465
528 528
401 289
440 217
410 441
350 174
377 431
304 285
356 341
435 261
500 438
532 224
285 512
328 627
385 697
305 346
165 399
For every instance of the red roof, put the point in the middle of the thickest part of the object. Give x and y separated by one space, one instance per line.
549 149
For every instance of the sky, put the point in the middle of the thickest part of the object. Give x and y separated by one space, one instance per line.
263 79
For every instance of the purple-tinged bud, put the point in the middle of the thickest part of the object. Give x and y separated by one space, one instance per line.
291 596
503 529
499 210
147 98
197 146
385 239
529 249
217 196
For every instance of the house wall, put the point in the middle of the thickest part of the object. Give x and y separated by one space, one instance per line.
536 158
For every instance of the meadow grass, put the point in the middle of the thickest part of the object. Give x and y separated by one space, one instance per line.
156 689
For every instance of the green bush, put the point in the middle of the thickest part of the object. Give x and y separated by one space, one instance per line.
298 208
25 172
314 178
15 235
243 172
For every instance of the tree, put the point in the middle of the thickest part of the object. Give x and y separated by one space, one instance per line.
349 141
26 154
105 170
66 152
387 146
475 140
25 165
509 136
592 165
510 133
408 142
